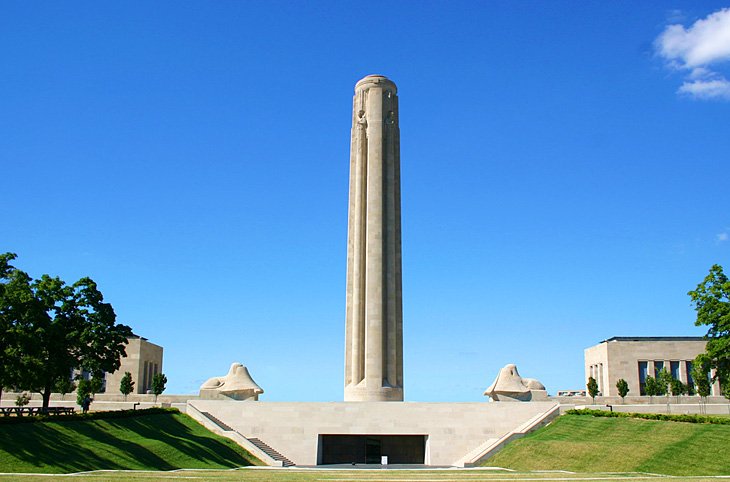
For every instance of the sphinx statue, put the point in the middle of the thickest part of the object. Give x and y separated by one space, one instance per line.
511 387
237 385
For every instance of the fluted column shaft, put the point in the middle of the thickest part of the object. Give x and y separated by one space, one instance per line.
374 320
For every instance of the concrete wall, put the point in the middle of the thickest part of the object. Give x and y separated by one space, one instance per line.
596 366
143 360
453 429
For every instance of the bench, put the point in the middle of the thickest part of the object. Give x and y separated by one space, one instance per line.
20 411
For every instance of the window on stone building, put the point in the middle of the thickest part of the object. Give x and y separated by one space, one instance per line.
643 373
144 378
658 366
690 380
149 376
674 369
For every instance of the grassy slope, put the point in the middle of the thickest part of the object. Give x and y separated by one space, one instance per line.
587 444
153 442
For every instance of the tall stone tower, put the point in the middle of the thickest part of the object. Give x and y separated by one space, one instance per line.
374 324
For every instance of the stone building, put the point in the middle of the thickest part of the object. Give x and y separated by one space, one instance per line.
143 361
635 358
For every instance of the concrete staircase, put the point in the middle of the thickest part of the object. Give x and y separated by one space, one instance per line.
218 422
271 452
253 445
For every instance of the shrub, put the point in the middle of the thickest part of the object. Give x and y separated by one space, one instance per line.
688 418
623 388
22 400
112 414
592 387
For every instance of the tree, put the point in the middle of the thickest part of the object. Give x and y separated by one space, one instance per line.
726 394
651 388
700 371
64 386
54 328
15 307
95 384
5 320
22 400
663 380
592 387
126 385
158 384
677 388
623 388
711 300
83 390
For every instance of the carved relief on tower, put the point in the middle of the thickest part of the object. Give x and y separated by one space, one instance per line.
361 121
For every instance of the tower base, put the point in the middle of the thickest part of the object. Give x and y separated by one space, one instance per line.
359 393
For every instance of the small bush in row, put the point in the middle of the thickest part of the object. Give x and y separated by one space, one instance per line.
689 418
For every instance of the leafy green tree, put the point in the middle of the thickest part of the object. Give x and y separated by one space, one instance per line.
700 371
663 380
64 386
15 307
22 400
623 388
95 384
158 384
651 388
726 394
83 390
54 328
711 300
592 387
677 388
5 320
126 385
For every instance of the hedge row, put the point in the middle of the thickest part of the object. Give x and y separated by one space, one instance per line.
653 416
104 415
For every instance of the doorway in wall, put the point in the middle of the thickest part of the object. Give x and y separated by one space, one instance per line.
367 449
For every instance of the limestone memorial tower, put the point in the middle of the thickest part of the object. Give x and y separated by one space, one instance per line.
374 320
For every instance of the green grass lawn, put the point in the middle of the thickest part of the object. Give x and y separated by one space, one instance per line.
153 442
296 475
593 448
588 444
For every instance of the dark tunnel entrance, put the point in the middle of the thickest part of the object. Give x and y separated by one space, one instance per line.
367 449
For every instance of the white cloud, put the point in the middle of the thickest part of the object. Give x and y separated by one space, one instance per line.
722 237
705 43
701 73
707 89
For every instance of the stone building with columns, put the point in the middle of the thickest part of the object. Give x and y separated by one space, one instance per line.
635 358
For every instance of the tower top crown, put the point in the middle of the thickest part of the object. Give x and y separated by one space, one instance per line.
375 80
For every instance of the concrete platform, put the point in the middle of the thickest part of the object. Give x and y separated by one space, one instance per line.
456 434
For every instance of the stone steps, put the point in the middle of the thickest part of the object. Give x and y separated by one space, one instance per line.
217 421
261 445
271 452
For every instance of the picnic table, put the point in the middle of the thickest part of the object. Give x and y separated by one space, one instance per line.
20 411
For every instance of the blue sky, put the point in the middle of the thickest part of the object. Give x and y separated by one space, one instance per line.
564 176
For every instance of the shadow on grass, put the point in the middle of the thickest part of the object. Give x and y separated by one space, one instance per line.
153 442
